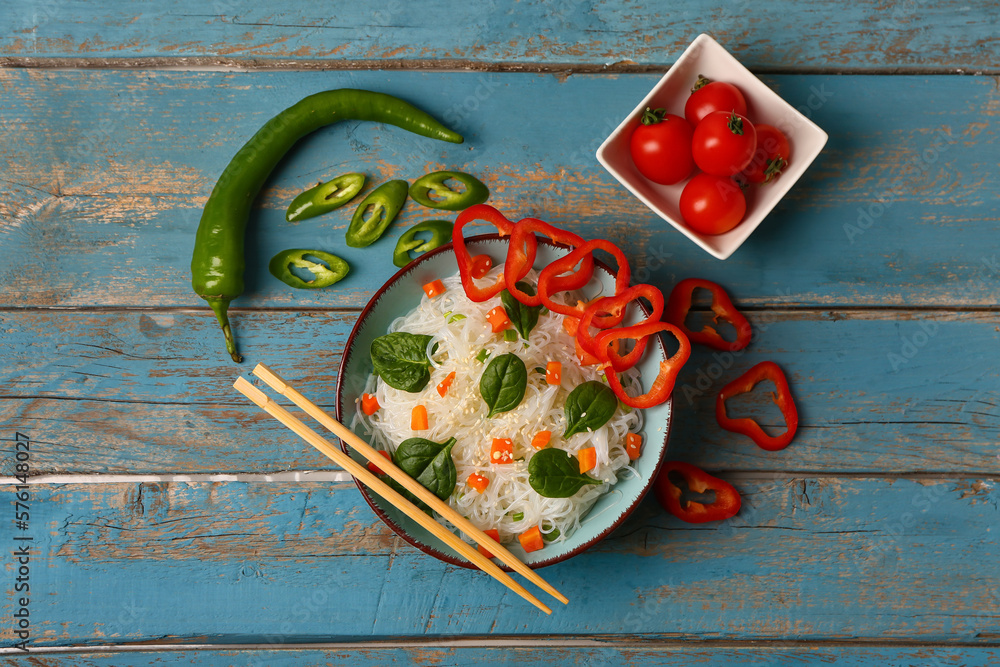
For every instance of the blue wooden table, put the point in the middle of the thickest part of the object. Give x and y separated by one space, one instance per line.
171 521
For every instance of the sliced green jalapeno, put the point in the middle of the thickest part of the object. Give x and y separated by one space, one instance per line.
325 275
445 198
440 234
385 202
325 197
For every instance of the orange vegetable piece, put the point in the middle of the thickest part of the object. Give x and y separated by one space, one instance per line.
445 384
531 539
418 418
633 445
502 451
374 468
541 439
498 319
495 534
478 482
571 324
369 404
434 288
553 372
588 459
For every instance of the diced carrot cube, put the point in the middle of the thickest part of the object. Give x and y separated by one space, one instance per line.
541 439
495 534
434 288
478 482
369 404
553 372
588 459
633 445
531 539
502 451
445 384
418 418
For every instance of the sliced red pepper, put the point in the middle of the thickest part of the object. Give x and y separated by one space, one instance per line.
765 370
481 265
663 385
616 307
679 305
504 226
561 275
692 495
521 254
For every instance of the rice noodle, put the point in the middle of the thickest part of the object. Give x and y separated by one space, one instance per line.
461 413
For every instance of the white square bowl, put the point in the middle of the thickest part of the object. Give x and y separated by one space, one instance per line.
706 56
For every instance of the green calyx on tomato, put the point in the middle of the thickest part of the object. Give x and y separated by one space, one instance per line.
375 213
736 124
700 83
440 231
723 143
325 268
433 191
652 116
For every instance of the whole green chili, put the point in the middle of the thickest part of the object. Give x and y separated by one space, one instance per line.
325 197
440 231
217 262
385 201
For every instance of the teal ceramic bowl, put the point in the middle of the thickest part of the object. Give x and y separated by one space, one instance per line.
395 299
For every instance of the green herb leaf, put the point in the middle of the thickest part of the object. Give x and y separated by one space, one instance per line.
524 318
554 473
588 407
429 463
400 359
503 383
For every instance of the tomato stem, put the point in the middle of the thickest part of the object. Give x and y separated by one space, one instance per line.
701 82
653 116
774 168
736 124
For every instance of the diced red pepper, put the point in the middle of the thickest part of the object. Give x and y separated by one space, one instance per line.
765 370
663 385
374 468
504 226
418 418
531 539
541 439
633 445
481 265
587 458
369 404
478 482
498 319
495 534
445 384
694 496
679 305
502 451
434 288
553 372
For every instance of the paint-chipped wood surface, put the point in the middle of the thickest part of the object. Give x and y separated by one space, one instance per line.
870 541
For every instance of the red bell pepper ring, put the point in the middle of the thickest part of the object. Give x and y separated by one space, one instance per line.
663 385
765 370
616 307
694 496
521 254
679 304
560 276
504 226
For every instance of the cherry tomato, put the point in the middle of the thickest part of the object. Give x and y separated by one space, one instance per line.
712 204
723 143
661 147
771 156
708 96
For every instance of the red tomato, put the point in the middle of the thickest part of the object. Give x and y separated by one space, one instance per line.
712 204
771 156
723 143
661 147
708 96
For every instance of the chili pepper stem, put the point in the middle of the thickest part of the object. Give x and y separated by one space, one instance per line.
219 307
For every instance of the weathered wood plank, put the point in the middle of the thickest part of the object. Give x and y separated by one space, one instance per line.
150 392
786 35
810 558
104 174
591 652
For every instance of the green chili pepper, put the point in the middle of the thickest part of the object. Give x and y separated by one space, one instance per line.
440 234
384 202
325 197
324 274
217 262
446 198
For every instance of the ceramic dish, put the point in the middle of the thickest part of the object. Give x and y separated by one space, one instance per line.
705 56
400 295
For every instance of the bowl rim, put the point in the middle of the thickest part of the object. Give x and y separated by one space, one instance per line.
397 529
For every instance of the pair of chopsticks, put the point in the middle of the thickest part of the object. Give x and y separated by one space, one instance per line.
381 488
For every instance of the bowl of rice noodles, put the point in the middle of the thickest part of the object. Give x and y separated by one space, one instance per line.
494 488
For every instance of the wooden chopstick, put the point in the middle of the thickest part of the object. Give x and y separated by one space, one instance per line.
383 489
274 381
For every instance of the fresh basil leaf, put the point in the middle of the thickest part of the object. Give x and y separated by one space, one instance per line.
400 359
429 463
503 383
524 318
588 407
555 473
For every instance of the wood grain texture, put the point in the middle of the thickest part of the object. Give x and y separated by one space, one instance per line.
104 174
150 392
787 35
809 558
